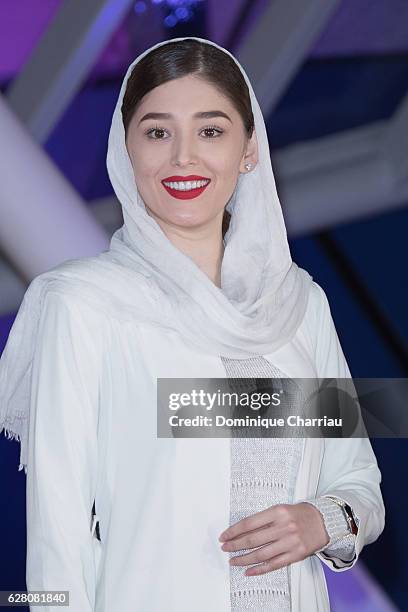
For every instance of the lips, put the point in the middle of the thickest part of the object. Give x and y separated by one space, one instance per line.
185 195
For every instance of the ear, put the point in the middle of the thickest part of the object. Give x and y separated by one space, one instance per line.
250 154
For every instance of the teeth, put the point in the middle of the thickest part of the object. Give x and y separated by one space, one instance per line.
186 185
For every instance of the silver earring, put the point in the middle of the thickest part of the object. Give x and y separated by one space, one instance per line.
248 167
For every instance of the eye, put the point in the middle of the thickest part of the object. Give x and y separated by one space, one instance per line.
212 128
156 130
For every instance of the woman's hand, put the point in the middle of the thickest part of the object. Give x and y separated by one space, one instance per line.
286 533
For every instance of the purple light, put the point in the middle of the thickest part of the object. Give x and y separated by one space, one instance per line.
170 21
139 7
182 13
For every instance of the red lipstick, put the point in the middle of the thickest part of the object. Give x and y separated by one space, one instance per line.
187 194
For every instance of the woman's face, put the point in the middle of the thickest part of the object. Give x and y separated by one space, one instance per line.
186 130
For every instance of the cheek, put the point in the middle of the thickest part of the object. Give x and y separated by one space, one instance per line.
227 175
146 173
225 162
146 163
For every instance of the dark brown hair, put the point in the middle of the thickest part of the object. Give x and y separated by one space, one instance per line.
174 60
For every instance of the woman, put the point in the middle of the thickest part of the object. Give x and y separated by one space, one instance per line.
198 283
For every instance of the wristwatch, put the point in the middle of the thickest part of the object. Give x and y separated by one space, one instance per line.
348 514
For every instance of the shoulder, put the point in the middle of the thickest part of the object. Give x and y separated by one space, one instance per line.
57 307
318 313
318 303
101 287
94 285
67 325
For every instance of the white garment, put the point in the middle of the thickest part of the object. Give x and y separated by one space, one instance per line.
78 388
162 503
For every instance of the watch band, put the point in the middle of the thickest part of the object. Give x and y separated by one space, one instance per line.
348 513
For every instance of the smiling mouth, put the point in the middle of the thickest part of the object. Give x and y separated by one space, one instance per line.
185 190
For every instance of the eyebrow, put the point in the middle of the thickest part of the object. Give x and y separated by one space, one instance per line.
200 115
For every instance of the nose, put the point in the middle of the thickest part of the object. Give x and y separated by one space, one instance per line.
184 152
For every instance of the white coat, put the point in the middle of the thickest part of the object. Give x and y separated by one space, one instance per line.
161 503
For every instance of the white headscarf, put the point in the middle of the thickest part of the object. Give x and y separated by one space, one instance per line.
144 277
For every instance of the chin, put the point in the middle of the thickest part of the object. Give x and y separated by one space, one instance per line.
186 221
185 218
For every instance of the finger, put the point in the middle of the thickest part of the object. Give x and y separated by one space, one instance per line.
260 519
265 553
273 564
259 537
